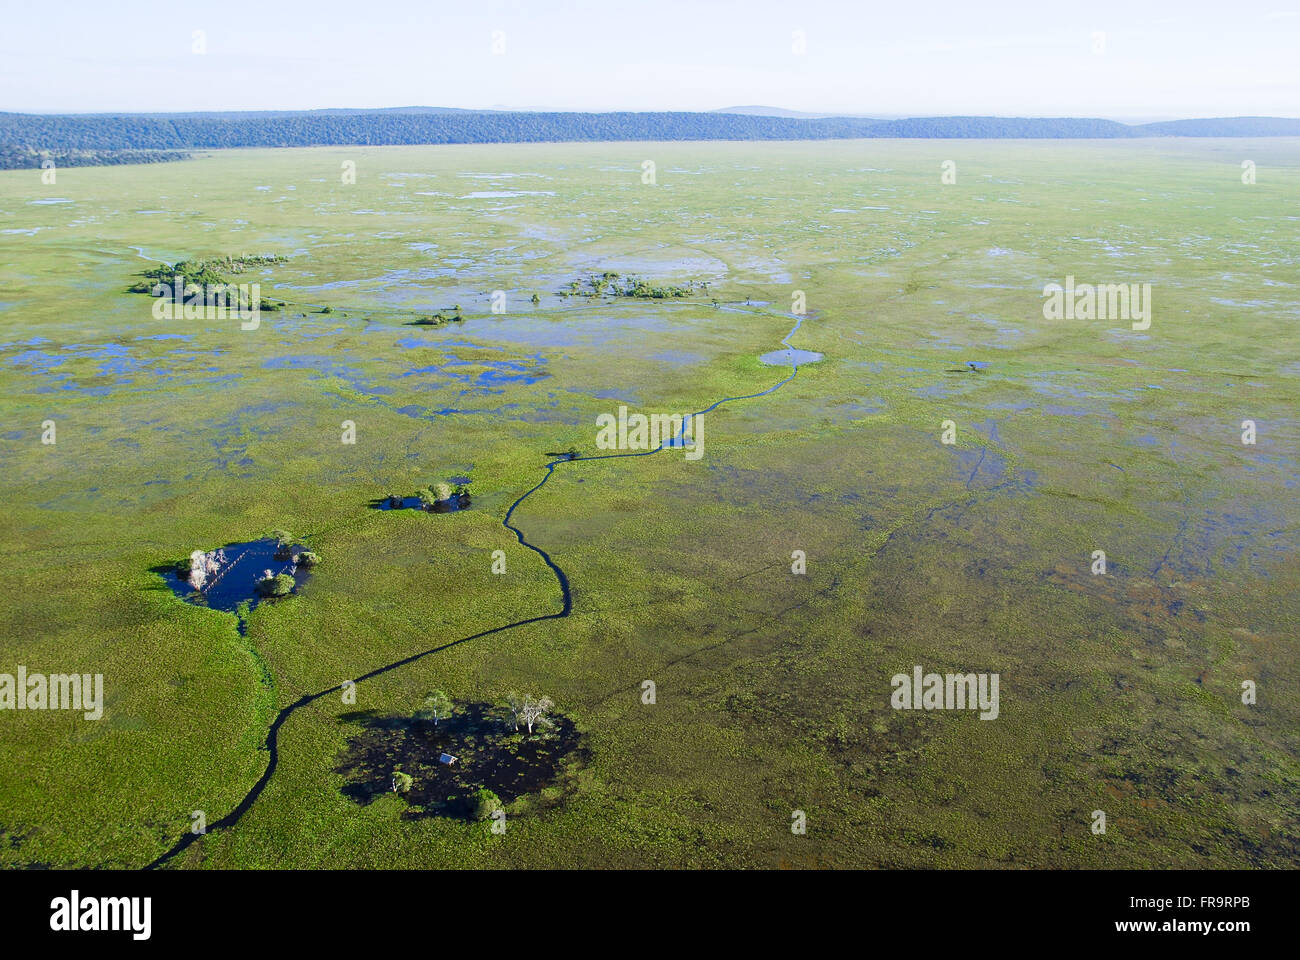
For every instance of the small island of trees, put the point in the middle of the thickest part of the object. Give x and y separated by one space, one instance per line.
205 277
612 284
440 318
439 498
274 584
204 571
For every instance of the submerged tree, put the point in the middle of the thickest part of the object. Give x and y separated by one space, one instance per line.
534 711
283 544
202 567
528 710
402 782
198 569
437 705
274 584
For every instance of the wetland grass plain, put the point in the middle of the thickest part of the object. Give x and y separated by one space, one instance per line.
1120 692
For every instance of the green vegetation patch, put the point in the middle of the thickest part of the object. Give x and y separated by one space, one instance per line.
611 284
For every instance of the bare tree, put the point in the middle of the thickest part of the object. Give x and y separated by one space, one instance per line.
534 711
205 567
198 569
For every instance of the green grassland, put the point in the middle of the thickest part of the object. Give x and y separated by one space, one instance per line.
1119 693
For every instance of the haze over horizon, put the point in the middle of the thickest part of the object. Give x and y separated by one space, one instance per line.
762 110
1111 61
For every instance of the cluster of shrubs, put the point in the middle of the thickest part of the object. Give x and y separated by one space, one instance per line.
440 319
480 805
609 282
273 584
204 276
440 497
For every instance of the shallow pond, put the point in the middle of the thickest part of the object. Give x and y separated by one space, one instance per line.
235 583
398 503
790 356
489 752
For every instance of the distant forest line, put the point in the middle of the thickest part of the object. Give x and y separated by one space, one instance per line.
26 139
14 157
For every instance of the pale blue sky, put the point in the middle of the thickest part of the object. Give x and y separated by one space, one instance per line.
1164 58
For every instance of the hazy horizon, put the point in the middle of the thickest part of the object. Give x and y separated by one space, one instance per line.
750 108
1167 60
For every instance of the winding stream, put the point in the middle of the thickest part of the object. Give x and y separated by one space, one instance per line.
273 733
